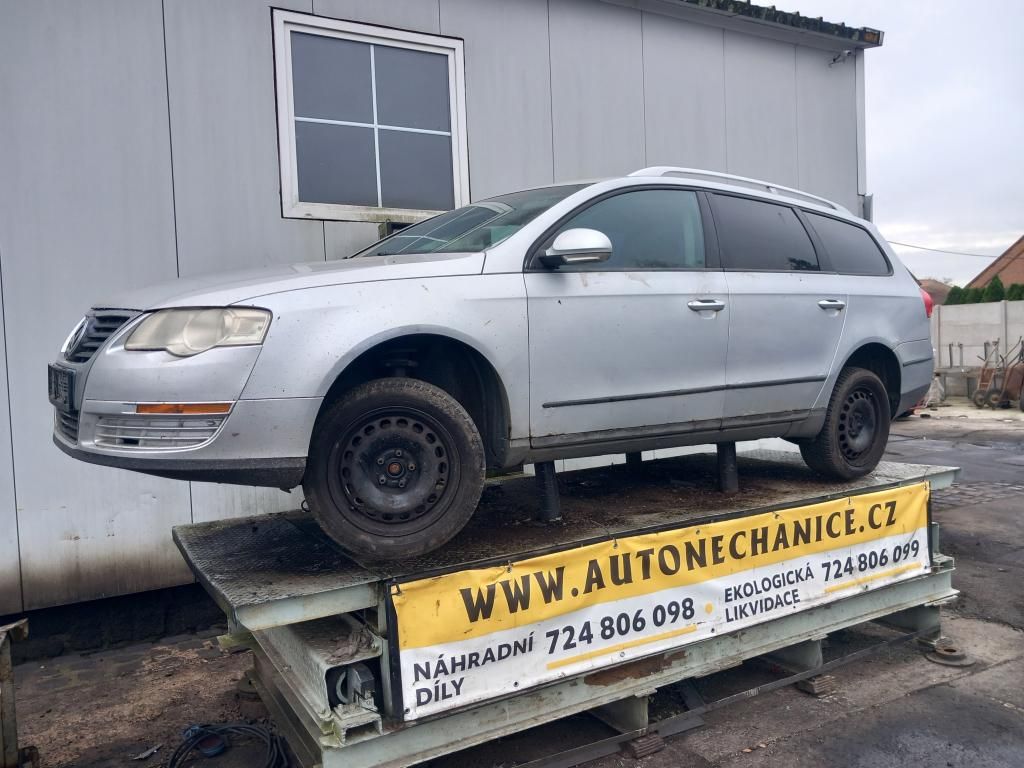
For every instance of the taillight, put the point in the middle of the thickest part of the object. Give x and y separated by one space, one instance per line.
929 305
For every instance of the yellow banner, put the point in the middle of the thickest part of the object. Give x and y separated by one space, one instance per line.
467 604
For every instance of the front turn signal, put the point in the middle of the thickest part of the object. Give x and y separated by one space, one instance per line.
183 409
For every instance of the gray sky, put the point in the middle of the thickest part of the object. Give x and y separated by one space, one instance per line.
945 124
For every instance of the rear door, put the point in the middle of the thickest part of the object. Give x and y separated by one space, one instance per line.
636 345
880 307
787 312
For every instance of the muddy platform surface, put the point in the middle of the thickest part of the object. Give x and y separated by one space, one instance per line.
258 561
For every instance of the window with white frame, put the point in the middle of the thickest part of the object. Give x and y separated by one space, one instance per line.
371 121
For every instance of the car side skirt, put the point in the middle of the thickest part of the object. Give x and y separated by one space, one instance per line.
658 436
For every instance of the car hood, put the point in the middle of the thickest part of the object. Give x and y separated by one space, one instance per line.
236 287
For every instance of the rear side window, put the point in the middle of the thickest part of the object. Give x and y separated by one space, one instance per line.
851 249
761 236
649 229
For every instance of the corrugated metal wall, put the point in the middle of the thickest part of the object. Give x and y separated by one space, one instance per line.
138 142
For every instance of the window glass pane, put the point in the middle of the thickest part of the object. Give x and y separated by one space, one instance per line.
851 249
412 88
331 78
474 227
336 164
649 229
761 236
416 170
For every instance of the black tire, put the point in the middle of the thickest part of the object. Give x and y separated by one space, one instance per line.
994 398
979 397
396 469
856 429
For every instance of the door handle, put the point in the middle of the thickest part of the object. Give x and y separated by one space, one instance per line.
705 305
832 304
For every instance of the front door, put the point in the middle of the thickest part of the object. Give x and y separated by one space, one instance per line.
636 345
787 314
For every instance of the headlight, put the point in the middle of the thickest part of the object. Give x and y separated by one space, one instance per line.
186 332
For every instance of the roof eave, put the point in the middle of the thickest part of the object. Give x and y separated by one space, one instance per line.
765 21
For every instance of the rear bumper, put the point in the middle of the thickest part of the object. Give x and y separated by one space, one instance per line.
271 473
917 369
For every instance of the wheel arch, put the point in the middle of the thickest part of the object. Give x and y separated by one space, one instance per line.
881 360
450 361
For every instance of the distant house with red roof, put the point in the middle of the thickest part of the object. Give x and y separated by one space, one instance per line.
1009 267
939 291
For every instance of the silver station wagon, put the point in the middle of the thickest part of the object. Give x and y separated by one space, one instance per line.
670 307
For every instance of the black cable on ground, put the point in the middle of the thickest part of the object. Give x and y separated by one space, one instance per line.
276 756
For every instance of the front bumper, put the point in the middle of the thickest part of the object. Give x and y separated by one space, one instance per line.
261 442
271 473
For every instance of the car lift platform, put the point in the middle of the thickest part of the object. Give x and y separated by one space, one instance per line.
352 658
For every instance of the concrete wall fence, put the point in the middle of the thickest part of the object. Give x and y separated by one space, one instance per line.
968 328
138 143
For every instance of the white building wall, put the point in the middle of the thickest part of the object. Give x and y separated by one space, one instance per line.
10 560
138 142
684 88
972 326
85 209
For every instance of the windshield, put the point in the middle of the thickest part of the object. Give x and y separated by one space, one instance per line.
476 227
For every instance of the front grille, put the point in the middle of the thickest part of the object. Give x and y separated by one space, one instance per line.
145 431
99 326
67 425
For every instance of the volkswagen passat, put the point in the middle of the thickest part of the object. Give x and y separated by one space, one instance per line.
670 307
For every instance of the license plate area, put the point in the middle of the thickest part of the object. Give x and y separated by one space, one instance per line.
61 387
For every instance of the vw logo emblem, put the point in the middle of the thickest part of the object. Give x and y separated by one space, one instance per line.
74 337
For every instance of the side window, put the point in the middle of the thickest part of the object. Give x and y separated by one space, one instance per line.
761 236
649 229
851 249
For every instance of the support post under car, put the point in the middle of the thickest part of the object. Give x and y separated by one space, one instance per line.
728 477
547 484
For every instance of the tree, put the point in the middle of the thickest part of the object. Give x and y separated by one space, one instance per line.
955 296
995 290
1015 292
972 295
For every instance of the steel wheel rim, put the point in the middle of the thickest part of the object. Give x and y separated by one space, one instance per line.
393 470
859 421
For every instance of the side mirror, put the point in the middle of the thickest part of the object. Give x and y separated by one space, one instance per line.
577 246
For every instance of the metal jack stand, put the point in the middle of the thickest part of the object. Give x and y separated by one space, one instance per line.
10 755
547 483
728 477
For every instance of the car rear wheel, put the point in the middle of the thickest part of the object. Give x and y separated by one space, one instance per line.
395 470
856 429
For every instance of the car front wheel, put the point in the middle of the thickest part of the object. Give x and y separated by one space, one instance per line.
856 429
396 469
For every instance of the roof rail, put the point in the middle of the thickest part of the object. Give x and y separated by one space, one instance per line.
739 181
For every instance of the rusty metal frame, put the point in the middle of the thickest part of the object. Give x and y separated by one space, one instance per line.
404 745
910 605
10 755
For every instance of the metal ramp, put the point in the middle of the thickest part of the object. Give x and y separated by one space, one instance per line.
333 637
